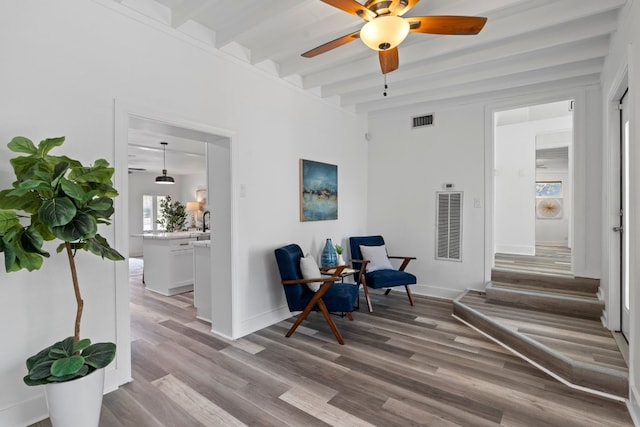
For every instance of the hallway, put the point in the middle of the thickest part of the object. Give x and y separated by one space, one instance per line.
548 259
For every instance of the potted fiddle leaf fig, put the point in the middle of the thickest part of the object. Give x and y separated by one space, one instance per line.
56 198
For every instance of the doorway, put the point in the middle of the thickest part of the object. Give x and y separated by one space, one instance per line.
218 182
533 188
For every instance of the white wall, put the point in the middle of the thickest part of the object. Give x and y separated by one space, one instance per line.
622 68
515 180
70 61
516 226
407 167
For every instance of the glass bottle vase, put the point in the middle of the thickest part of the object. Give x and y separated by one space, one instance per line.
329 257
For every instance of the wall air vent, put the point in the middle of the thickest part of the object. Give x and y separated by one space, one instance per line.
449 225
422 121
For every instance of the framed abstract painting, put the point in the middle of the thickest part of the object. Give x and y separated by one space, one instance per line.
318 191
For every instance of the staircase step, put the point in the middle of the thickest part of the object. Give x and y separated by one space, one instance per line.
547 300
578 352
547 281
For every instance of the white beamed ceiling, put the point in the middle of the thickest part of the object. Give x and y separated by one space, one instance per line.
525 44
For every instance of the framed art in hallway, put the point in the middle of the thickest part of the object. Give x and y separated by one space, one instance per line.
318 191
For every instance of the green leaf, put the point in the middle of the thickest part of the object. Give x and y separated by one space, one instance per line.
41 370
67 366
99 355
20 144
82 226
59 170
72 189
24 166
34 184
48 144
99 246
81 345
101 204
38 357
10 259
84 370
57 159
30 382
8 220
32 242
28 202
96 174
57 212
29 260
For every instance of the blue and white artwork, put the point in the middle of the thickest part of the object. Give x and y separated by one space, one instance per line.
318 191
549 189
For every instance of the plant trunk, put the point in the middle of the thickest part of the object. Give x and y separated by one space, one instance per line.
76 290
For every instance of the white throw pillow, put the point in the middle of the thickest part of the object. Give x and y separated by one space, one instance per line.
377 256
310 270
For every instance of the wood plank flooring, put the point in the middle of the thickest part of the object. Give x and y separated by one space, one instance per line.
548 259
401 366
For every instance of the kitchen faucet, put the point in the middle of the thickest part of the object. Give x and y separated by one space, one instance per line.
204 220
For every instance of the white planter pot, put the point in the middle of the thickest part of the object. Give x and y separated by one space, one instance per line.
76 403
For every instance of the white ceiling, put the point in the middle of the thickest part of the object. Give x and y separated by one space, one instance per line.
185 151
525 43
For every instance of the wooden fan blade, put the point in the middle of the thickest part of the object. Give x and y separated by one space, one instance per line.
388 60
352 7
455 25
332 44
400 7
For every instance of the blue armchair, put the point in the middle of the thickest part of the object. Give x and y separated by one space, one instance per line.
383 276
331 297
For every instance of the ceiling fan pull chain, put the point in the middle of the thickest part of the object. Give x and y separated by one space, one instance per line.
385 86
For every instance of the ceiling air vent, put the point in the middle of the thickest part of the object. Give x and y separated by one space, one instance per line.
422 121
449 225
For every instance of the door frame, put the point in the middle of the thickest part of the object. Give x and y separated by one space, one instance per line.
123 110
578 225
611 200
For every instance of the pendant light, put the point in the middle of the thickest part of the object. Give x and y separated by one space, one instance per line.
164 178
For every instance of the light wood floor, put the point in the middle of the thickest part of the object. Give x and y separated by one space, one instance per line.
548 259
401 366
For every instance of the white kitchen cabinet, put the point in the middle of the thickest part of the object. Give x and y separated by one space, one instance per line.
202 279
168 262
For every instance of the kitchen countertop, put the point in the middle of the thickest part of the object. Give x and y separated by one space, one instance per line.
173 235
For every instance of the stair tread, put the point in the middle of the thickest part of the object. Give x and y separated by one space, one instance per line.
570 283
542 289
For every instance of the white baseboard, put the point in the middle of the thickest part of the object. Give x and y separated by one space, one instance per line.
633 407
25 413
516 249
263 320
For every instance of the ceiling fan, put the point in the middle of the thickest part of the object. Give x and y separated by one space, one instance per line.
386 28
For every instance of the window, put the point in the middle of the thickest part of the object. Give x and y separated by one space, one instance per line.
150 212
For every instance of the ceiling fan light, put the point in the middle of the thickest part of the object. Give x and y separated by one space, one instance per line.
384 32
